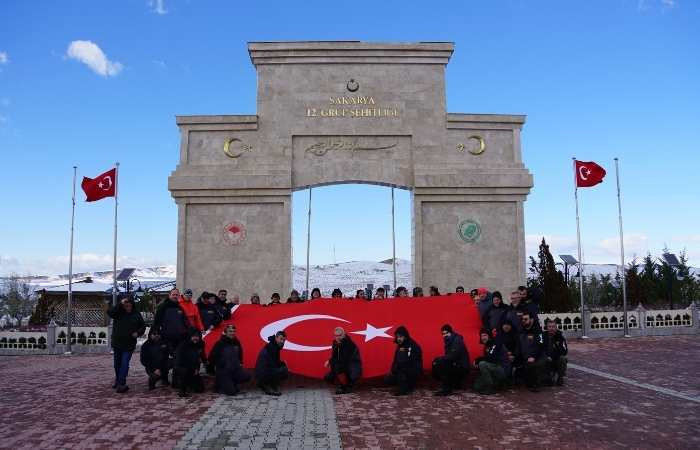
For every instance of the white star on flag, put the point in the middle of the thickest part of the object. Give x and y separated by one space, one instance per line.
371 332
99 185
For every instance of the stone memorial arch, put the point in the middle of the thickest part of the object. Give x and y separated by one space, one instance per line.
339 112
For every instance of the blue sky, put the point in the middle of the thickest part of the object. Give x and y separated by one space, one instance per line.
597 79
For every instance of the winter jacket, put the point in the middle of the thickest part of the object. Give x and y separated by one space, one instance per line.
555 345
225 355
213 354
223 308
192 313
494 317
484 306
124 326
268 359
154 355
493 352
345 358
531 342
512 316
455 351
188 355
171 321
210 314
408 356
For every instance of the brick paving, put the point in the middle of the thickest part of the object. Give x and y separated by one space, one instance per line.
67 402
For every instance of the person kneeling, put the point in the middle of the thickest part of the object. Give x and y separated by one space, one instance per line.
187 364
225 358
270 370
345 362
407 365
155 358
491 373
452 368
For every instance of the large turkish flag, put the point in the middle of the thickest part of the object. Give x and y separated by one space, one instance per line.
370 324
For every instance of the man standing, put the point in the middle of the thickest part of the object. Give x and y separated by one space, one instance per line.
556 349
171 321
515 312
270 370
128 325
495 315
407 365
452 368
345 363
532 352
209 313
191 310
380 294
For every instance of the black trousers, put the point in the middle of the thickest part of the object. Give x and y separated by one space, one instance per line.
227 381
274 377
450 375
404 379
188 380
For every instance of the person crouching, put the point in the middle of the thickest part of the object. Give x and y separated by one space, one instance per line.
452 368
345 363
270 370
225 357
407 365
491 373
155 358
187 363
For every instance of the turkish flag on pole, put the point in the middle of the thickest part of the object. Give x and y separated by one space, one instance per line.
588 173
100 187
370 325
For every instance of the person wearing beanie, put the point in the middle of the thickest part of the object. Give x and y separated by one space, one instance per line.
225 357
187 364
556 349
345 363
191 310
270 370
127 326
452 368
531 352
495 314
491 374
508 338
171 322
154 358
274 299
483 300
210 315
407 365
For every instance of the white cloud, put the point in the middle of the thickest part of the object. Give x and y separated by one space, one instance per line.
669 3
91 55
557 244
4 59
635 244
158 6
82 262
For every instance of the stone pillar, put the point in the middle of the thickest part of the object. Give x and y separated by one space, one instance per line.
694 316
642 320
51 336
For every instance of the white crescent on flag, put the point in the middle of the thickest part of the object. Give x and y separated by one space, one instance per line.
583 169
279 325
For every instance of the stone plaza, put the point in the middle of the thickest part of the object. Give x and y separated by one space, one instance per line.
349 112
620 393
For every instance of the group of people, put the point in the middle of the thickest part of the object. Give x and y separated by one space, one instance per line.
516 349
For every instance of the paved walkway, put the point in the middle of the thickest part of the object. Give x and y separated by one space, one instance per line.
609 402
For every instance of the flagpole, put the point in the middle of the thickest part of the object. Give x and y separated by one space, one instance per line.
116 203
308 245
69 349
580 263
393 237
622 252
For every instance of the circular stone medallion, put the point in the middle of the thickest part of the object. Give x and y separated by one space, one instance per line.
469 231
234 233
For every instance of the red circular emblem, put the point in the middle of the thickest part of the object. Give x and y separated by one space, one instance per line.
234 233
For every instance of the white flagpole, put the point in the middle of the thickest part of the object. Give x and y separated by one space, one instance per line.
622 252
69 349
308 246
580 263
393 236
116 203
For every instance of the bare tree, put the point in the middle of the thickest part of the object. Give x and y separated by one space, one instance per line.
17 301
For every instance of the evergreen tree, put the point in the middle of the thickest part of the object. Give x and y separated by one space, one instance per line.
551 281
635 291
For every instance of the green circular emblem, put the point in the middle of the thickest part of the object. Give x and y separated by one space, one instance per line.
469 230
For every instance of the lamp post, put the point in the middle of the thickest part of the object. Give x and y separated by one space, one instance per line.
569 260
672 262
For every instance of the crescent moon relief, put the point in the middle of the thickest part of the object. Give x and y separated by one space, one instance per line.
280 325
235 153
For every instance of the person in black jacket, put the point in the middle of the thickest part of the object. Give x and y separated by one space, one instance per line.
225 357
491 373
531 348
208 311
407 365
155 358
452 368
170 320
127 326
508 338
345 363
187 363
495 314
556 349
270 370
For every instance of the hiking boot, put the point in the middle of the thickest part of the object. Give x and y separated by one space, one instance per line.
122 388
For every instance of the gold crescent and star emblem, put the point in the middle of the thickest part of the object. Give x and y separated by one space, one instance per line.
232 152
481 145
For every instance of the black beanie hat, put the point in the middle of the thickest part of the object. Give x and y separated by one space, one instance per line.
447 328
401 331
